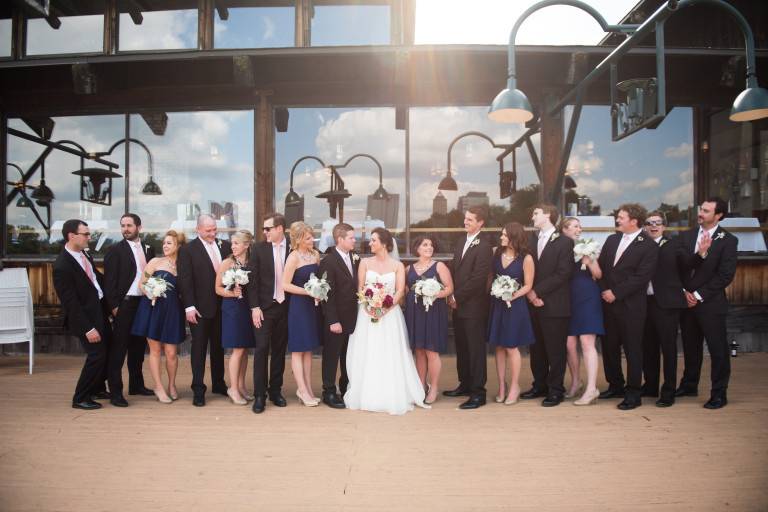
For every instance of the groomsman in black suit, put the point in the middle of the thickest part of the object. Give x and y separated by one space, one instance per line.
710 253
79 286
269 311
666 299
470 302
628 261
339 266
197 263
123 266
550 301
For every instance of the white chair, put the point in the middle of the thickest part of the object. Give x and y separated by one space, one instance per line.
17 317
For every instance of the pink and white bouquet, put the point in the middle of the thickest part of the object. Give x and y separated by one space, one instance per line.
318 287
585 247
504 287
155 287
427 289
376 298
235 277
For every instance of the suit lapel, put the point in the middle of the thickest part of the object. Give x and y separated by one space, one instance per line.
637 241
76 267
129 254
340 261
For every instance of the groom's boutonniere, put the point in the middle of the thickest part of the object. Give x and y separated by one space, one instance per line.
355 258
662 242
719 236
218 242
475 242
554 236
639 238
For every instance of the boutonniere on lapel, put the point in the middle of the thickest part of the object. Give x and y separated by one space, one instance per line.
475 242
639 238
218 242
554 236
662 242
719 236
355 258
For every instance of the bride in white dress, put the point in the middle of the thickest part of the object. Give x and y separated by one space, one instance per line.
382 374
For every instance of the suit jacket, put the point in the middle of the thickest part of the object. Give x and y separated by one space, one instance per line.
261 283
709 276
552 277
120 271
341 305
197 279
667 285
83 310
470 277
628 279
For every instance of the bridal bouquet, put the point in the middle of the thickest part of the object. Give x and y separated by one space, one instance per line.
317 288
376 298
235 276
156 288
585 247
504 287
427 289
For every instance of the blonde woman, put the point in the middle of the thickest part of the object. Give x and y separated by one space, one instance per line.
236 327
304 319
163 323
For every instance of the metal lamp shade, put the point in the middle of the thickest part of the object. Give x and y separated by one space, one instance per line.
448 183
750 105
511 106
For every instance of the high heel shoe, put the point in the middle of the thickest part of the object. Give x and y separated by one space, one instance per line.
512 402
499 399
575 393
306 402
237 401
588 399
163 399
173 396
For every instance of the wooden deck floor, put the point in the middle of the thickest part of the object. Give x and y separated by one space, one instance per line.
155 457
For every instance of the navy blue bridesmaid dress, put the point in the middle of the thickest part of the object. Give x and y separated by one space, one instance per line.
236 323
586 304
165 320
510 327
304 318
427 330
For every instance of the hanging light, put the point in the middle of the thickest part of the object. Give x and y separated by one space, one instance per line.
92 180
151 188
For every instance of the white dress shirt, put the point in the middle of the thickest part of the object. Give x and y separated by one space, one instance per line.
650 284
626 241
470 239
136 249
544 236
347 260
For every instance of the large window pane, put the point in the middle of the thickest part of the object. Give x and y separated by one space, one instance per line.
256 27
160 30
202 164
77 34
5 37
334 136
350 25
26 234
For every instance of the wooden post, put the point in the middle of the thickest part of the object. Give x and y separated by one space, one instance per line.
303 20
264 159
552 130
111 27
205 24
18 34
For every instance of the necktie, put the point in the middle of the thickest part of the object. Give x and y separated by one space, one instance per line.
349 263
541 244
279 293
213 255
140 253
622 247
87 266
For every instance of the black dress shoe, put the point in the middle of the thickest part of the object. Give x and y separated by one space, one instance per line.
119 401
333 401
533 393
144 391
278 399
198 400
552 401
628 405
87 405
101 395
716 403
681 391
259 403
474 402
665 401
611 393
459 391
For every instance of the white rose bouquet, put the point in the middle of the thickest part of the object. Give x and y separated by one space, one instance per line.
504 287
318 287
235 277
585 247
155 287
427 289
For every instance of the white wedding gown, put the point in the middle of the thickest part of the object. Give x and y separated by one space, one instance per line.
382 375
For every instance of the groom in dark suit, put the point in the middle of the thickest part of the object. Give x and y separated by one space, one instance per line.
550 301
123 266
628 261
339 266
198 262
470 302
79 286
710 264
269 312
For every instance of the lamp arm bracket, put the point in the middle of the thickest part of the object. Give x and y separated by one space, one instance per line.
296 164
366 155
